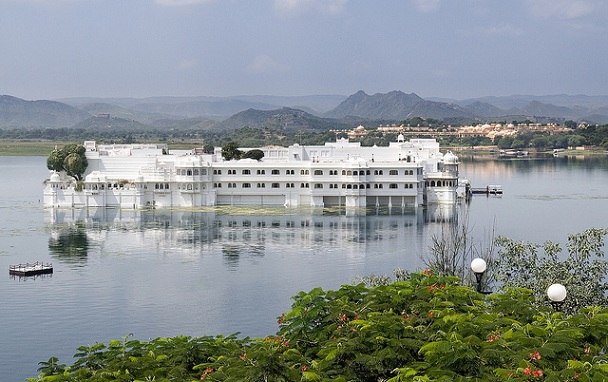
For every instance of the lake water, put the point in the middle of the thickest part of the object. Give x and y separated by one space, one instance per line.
225 270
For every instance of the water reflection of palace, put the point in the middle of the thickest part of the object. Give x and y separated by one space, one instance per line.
237 231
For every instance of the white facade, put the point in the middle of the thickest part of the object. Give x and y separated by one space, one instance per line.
340 173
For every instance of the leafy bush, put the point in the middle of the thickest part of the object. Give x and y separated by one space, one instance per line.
427 328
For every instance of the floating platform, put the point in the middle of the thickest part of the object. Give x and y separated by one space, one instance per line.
488 190
32 269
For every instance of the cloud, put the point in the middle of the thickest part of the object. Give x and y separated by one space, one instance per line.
498 30
293 8
179 3
186 64
427 6
562 9
263 63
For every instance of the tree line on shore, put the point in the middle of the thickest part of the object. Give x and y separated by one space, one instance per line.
256 137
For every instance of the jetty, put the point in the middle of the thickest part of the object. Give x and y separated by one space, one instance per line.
30 269
488 190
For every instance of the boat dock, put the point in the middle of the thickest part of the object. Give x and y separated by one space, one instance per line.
28 269
488 190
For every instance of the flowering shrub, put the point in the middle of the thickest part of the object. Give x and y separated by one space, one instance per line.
428 328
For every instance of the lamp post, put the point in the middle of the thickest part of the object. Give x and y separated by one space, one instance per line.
478 265
557 295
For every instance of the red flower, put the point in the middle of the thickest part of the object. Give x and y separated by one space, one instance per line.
356 317
427 272
343 317
537 373
304 368
527 370
208 370
431 314
243 356
535 355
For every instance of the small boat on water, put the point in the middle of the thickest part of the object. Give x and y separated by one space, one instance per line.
30 269
513 153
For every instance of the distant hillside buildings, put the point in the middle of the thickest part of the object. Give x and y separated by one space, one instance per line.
488 130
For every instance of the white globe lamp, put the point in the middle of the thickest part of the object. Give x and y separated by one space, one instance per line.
478 266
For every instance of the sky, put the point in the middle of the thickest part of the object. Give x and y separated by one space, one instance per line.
459 49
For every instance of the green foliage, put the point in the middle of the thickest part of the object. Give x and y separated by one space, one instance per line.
231 151
582 271
256 154
70 158
424 327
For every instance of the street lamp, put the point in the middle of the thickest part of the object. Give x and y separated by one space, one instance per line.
478 265
557 295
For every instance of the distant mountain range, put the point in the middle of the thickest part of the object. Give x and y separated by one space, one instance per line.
303 112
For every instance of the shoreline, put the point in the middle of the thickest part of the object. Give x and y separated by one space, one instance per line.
44 148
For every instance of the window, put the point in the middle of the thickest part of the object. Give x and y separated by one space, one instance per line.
261 172
355 172
343 172
246 172
378 172
189 172
318 172
217 172
275 185
290 185
393 185
290 172
196 172
304 172
393 172
246 185
368 172
261 185
303 185
318 185
217 185
203 171
275 172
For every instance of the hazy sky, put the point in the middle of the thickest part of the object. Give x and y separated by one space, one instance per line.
445 48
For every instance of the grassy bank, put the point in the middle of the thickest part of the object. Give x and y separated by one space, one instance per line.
44 148
28 148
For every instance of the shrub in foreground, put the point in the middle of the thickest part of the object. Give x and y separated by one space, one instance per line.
427 328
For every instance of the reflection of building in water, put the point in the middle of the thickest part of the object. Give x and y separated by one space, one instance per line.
191 233
341 173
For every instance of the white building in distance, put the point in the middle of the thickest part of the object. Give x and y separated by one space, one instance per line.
341 173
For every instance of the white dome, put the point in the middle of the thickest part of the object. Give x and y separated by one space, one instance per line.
450 158
55 177
400 138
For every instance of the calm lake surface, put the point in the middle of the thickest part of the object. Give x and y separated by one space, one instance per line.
225 270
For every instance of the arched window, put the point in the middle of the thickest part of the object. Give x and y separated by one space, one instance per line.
393 172
343 172
189 173
393 185
318 172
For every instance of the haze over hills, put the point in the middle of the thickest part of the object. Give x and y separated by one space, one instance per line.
303 112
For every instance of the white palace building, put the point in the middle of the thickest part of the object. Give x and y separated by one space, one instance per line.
342 173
